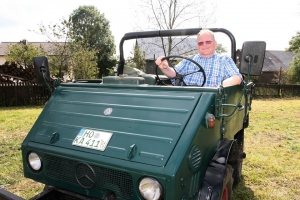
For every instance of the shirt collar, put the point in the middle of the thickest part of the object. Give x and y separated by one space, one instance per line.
214 55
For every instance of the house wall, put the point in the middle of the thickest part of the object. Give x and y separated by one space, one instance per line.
267 77
2 60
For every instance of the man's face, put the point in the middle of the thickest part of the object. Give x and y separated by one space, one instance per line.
206 45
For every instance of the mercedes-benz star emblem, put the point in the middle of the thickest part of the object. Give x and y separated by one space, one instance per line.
85 175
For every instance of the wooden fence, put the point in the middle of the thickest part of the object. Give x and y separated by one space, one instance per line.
26 93
274 90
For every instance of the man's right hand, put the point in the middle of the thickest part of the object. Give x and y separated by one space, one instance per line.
162 64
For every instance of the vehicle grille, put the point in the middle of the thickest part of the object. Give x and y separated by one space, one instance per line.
64 169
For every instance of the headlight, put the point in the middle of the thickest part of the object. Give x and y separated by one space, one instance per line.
150 189
34 161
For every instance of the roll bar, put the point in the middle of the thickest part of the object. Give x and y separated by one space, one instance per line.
168 33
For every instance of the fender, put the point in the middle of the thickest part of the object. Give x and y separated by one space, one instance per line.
218 173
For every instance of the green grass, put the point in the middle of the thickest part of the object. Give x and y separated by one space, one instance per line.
271 170
15 123
272 143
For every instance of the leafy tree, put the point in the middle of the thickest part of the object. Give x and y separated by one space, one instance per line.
65 51
220 49
138 59
23 53
90 27
295 44
294 71
60 52
83 62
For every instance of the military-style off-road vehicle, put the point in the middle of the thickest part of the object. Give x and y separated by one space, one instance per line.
137 137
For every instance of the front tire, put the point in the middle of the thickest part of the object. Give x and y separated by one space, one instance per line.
237 156
227 183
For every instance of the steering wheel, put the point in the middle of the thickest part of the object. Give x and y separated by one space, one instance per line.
179 77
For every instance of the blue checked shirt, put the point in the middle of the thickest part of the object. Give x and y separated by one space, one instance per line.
217 69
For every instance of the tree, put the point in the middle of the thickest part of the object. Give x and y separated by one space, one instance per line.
59 53
220 49
65 52
90 27
138 59
83 62
294 71
23 53
295 44
174 14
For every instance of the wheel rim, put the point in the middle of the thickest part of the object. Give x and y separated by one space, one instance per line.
225 194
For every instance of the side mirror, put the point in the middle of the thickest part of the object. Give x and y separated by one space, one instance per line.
41 69
254 52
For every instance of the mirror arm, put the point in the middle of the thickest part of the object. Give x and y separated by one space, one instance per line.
248 59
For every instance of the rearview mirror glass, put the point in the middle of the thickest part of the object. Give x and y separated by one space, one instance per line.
255 51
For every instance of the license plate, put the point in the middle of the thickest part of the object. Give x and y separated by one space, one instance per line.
92 139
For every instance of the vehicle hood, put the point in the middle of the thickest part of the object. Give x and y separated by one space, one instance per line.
140 124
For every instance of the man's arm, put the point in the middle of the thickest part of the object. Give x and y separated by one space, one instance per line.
231 71
234 80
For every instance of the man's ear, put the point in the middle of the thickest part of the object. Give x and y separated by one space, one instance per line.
216 44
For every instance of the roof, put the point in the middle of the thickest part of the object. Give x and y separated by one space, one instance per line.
274 60
46 45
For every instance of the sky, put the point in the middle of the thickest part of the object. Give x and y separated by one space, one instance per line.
274 22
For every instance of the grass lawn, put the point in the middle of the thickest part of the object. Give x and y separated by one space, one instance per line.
15 123
271 169
272 143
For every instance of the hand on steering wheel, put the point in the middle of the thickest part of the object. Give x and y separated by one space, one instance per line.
179 77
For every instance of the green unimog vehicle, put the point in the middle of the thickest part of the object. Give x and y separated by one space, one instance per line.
137 137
